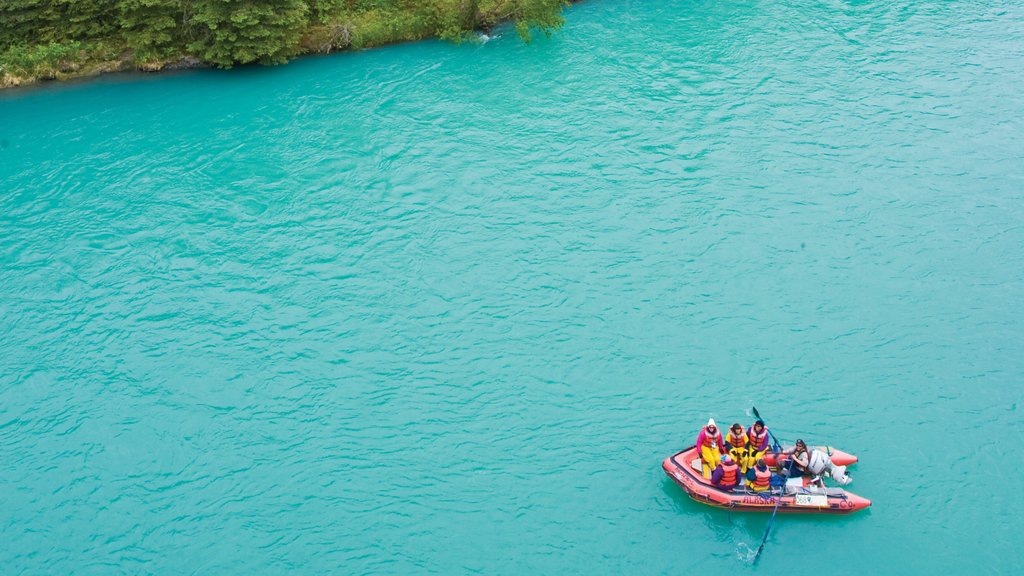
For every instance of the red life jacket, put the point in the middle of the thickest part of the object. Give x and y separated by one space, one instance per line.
735 442
716 439
757 440
762 479
729 474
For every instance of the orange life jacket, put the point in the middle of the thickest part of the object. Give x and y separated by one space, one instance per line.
762 479
736 441
757 440
716 439
729 474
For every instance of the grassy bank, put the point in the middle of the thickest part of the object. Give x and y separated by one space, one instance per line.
60 39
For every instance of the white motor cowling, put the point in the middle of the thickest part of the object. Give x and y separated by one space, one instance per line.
820 463
839 474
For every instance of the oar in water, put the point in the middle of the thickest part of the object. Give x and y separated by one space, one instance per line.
778 499
764 540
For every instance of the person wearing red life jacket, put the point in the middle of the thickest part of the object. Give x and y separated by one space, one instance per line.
711 447
758 437
727 475
738 447
759 477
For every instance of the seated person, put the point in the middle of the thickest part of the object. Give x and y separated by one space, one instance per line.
759 477
711 447
727 475
797 461
758 437
739 448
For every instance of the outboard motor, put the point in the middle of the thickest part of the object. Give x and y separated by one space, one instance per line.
839 474
818 463
821 464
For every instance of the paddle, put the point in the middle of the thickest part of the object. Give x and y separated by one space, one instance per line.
778 499
774 439
764 540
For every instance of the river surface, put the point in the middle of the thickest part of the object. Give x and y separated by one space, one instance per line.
444 308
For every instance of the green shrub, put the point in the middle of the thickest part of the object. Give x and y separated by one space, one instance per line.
43 61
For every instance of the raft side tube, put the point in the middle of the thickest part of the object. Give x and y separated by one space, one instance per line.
805 499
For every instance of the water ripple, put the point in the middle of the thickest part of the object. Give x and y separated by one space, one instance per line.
444 308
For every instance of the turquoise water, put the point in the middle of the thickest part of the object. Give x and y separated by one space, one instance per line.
445 309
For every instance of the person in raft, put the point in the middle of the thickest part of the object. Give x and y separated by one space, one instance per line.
711 447
727 475
798 458
759 477
739 448
757 435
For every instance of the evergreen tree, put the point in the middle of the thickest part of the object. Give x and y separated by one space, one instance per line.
26 21
151 28
85 19
44 21
232 32
324 10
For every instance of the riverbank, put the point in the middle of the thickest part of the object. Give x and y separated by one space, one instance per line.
82 62
147 45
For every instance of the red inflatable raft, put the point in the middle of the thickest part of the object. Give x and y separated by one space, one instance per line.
684 468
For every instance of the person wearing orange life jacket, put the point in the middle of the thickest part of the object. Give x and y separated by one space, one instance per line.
739 448
759 477
711 447
758 437
727 475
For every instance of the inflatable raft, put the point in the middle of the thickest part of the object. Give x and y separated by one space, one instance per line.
798 495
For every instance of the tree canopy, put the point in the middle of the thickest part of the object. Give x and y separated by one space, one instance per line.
58 33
